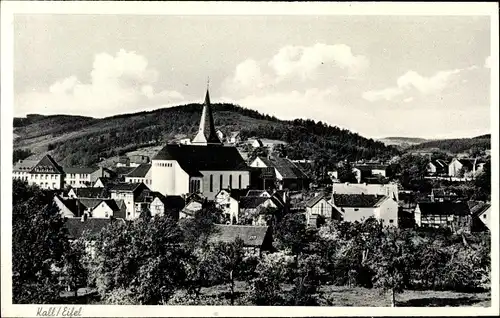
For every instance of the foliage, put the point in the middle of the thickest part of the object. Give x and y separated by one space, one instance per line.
345 173
483 183
39 244
20 154
455 145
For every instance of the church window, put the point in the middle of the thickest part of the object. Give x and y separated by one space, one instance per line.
239 182
211 183
230 181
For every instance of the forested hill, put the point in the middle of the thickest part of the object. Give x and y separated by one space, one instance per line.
456 145
77 140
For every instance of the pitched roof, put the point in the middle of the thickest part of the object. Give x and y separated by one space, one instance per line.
171 201
236 193
105 180
194 159
76 227
90 192
78 170
252 193
286 168
90 203
125 186
467 162
444 208
252 202
358 200
477 207
370 166
74 205
140 171
439 163
122 171
251 235
314 200
24 165
264 172
47 165
112 204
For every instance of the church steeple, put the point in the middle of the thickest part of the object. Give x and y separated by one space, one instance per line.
206 132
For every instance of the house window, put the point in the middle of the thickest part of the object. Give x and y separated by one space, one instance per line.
53 185
484 216
230 181
211 183
220 181
356 209
239 182
391 221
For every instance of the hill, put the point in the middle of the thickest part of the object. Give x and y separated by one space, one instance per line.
77 140
454 146
402 142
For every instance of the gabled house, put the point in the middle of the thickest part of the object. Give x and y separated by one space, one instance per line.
481 216
437 167
287 174
234 137
453 215
258 193
256 239
194 203
228 201
22 168
88 193
69 207
365 171
78 177
131 194
167 205
47 174
109 208
460 167
318 206
359 207
443 195
141 173
102 182
89 204
252 209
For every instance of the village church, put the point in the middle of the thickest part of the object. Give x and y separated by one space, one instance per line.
204 166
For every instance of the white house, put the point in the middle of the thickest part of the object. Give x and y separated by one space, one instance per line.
234 137
457 166
109 208
78 177
359 207
22 168
47 174
287 174
389 189
251 209
228 201
205 166
130 193
171 205
141 173
437 167
69 207
319 206
194 203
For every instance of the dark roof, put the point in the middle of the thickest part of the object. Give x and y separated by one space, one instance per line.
140 171
24 165
78 170
369 167
237 193
172 201
467 162
126 186
122 171
251 235
112 204
90 203
90 192
477 207
314 200
264 172
206 131
439 192
47 165
252 202
74 205
357 200
105 180
254 193
194 159
76 227
444 208
439 163
286 168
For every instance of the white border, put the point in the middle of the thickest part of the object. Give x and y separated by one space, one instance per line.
8 8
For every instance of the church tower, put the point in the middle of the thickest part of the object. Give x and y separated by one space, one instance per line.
206 132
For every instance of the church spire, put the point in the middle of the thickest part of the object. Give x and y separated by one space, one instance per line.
206 132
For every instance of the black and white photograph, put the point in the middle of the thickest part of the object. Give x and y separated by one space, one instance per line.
297 158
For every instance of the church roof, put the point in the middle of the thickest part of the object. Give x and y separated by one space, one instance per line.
206 131
194 159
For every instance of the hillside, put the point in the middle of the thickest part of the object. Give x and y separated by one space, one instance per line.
402 142
76 140
454 146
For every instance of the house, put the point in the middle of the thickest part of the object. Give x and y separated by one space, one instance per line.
366 170
442 195
252 208
462 167
88 193
256 239
131 194
319 206
220 135
389 189
228 201
194 203
453 215
47 174
102 182
167 205
141 173
234 137
137 160
89 204
22 169
77 177
359 207
206 166
287 174
123 161
437 167
78 226
254 142
481 215
263 178
334 175
69 207
258 193
109 208
271 144
185 141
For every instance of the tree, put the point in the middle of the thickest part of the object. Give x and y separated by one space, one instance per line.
39 244
20 154
345 173
392 262
257 152
74 273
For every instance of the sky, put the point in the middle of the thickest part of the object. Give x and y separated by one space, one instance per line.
379 76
